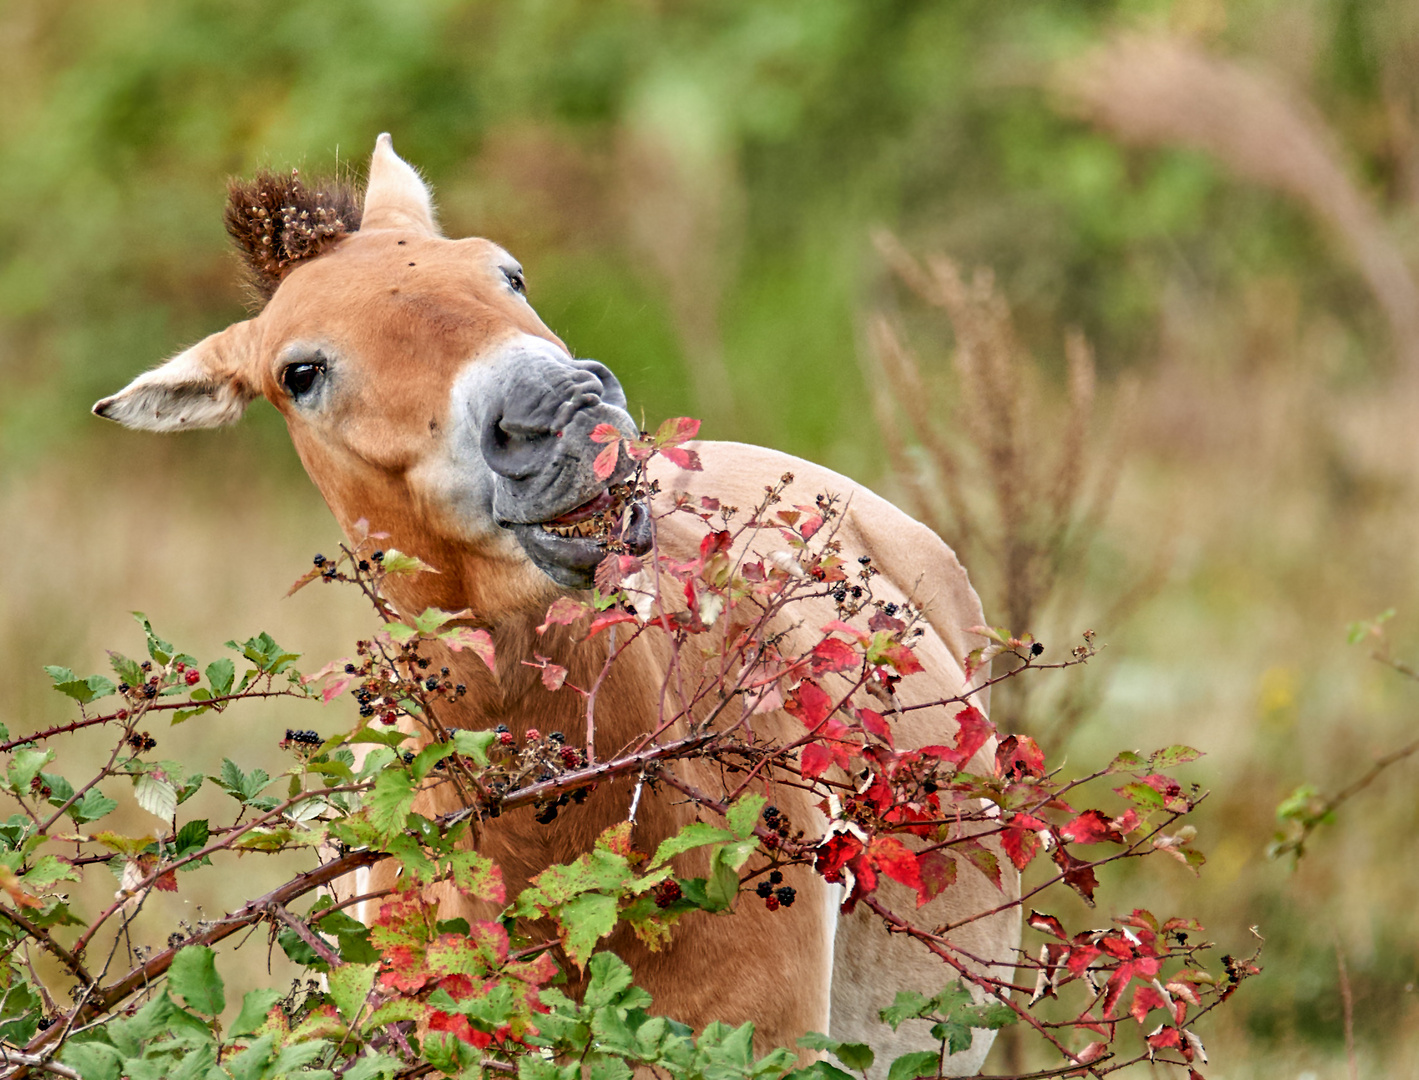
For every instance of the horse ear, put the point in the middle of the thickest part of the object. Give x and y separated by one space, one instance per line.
395 196
206 386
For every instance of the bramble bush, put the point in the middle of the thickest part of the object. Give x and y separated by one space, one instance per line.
412 995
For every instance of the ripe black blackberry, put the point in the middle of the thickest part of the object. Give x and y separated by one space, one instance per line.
764 889
775 877
785 895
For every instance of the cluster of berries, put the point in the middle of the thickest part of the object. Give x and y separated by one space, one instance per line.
296 738
780 827
666 893
774 893
141 741
191 676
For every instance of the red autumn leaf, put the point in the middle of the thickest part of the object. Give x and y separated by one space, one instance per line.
1165 1038
609 618
902 659
563 612
713 543
605 463
674 431
1047 924
1165 786
456 1024
834 654
1092 1052
972 732
896 860
167 882
1020 840
983 859
1019 756
1090 827
880 620
1090 1022
810 704
938 873
874 723
1145 1000
835 852
843 628
686 459
605 433
815 760
1078 875
553 676
1117 946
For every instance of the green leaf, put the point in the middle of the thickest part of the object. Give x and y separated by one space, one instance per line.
954 1033
193 976
856 1056
93 1060
696 834
725 861
907 1005
400 632
911 1066
350 986
81 690
474 744
396 562
94 805
126 669
156 795
46 871
255 1005
390 801
428 757
220 676
25 766
1173 755
744 814
585 920
158 649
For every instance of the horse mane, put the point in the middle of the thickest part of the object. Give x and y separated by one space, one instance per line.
278 221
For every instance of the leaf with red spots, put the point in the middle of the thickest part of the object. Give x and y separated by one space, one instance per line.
605 463
983 859
834 654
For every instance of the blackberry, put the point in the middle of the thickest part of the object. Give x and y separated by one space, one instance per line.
501 729
364 564
319 560
775 877
349 669
890 609
422 662
460 689
557 737
785 895
431 683
864 559
378 556
443 671
1037 648
764 889
366 710
667 892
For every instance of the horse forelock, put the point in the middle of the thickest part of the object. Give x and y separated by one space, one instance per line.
279 221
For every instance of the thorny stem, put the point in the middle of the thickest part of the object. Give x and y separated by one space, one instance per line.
68 959
304 932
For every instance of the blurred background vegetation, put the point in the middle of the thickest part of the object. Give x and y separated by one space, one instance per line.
1194 433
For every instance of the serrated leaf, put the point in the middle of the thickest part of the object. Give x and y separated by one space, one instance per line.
155 795
220 676
255 1004
94 805
1172 756
25 766
474 744
744 814
430 756
350 986
583 921
193 977
47 870
479 642
911 1066
397 562
400 632
696 834
391 800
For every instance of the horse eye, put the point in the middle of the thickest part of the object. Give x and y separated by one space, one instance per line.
515 279
299 378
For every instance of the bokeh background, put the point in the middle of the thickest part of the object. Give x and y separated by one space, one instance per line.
1196 431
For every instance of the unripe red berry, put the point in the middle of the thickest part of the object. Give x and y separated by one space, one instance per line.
193 677
533 735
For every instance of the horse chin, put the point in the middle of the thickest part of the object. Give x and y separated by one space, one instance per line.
570 559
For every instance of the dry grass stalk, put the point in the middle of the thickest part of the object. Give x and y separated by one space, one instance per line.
997 472
1164 91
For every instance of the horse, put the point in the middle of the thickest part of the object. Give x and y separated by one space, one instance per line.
426 398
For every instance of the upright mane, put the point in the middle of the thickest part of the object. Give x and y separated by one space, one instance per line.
277 222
